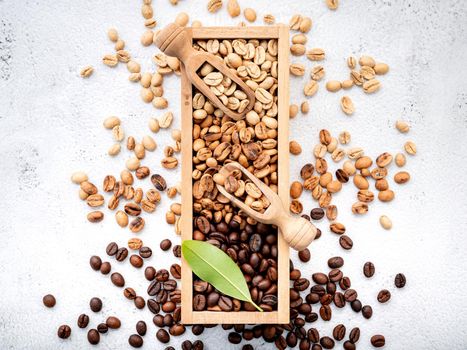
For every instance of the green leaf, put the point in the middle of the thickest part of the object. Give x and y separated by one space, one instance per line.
214 266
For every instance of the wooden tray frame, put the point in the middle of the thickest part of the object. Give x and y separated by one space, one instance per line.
281 316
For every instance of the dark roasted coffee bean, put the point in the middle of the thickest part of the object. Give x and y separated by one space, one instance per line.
187 345
335 262
345 242
197 329
177 251
378 341
177 329
176 296
225 303
106 267
339 332
154 287
367 311
335 275
317 213
312 298
168 306
348 345
83 321
176 271
291 339
295 274
306 217
121 254
145 252
139 302
141 328
159 182
135 341
95 304
342 176
64 331
399 280
203 224
331 288
95 262
354 335
162 275
158 320
248 347
280 343
165 244
198 345
111 249
163 336
136 261
320 278
316 347
117 279
102 328
384 296
169 348
369 269
313 335
301 284
326 342
49 300
304 255
199 302
326 299
269 333
325 312
350 295
113 322
318 233
93 336
129 293
356 305
150 273
344 283
304 344
339 300
153 306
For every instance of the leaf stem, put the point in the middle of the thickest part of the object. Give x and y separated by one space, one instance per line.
256 306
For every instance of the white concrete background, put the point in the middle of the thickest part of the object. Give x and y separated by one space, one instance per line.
50 124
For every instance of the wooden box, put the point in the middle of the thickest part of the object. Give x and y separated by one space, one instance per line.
281 316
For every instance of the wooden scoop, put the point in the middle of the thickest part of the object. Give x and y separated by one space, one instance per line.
174 41
297 231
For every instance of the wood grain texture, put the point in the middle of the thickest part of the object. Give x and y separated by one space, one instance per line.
281 316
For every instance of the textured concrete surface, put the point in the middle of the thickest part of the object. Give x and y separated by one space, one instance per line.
50 125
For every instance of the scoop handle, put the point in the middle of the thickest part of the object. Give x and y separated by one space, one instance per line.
297 231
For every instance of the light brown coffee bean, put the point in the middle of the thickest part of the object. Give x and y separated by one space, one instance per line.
315 54
371 86
135 243
95 216
294 147
137 224
95 200
386 195
317 72
78 177
410 148
233 8
402 177
310 88
400 160
296 189
402 126
360 208
333 85
347 105
121 218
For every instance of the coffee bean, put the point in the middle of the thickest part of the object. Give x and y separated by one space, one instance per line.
356 305
345 283
197 329
367 311
349 346
317 213
331 288
247 347
111 249
225 303
187 345
177 251
198 345
117 279
95 262
135 341
304 255
168 307
199 302
313 335
176 329
291 339
354 335
49 300
339 300
159 182
345 242
150 273
350 295
320 278
368 269
378 341
400 280
325 312
335 275
136 261
102 328
304 344
145 252
153 306
163 336
335 262
301 284
83 321
339 332
95 304
141 328
342 176
113 322
93 336
326 299
121 254
139 302
326 342
64 331
165 244
384 296
129 293
105 268
176 271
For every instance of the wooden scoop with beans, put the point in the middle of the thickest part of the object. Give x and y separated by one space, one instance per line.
175 41
297 231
